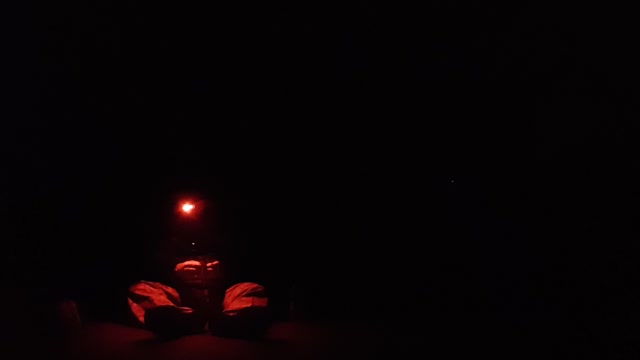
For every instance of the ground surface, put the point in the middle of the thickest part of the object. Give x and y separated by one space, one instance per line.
284 341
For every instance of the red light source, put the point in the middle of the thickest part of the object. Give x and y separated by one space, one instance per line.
187 208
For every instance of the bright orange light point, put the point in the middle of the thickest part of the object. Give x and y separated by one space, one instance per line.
187 207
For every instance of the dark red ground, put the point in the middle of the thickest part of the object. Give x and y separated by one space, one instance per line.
284 341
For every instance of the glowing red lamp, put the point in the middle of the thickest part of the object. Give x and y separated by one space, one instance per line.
187 208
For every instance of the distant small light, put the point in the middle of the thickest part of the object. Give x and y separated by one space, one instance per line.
193 243
187 207
452 181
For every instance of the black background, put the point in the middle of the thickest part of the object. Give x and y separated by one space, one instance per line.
477 161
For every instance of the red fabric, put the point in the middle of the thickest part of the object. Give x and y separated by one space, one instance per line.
243 296
145 295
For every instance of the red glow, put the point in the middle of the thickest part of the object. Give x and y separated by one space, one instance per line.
187 207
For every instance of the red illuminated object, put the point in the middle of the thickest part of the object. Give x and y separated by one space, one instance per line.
187 208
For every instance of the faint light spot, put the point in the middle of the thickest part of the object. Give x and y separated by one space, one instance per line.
193 243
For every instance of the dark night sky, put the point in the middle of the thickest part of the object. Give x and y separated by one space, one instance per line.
328 135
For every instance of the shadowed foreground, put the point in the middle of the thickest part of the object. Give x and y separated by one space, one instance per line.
284 341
